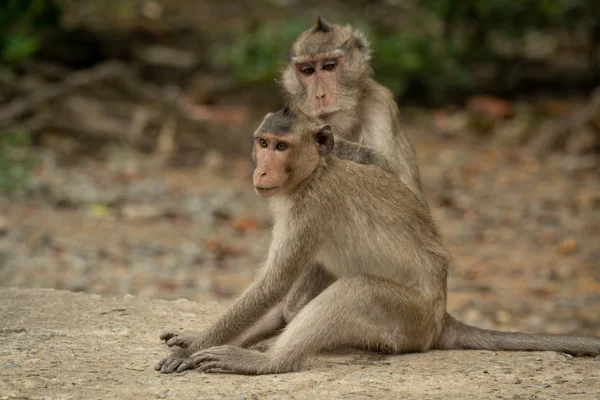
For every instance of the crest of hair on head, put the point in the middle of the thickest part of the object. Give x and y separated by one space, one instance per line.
322 26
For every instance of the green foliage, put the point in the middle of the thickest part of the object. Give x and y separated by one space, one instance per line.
256 57
17 160
435 61
405 58
22 23
512 17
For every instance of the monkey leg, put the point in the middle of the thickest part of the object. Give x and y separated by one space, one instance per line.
309 285
271 323
361 311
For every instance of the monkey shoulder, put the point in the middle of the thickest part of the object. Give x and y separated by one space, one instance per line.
381 118
380 96
368 180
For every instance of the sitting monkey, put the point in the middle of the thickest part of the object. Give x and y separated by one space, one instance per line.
372 234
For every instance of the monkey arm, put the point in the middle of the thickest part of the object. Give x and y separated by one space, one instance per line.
361 154
291 251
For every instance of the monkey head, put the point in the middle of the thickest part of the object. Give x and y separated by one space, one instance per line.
288 146
327 64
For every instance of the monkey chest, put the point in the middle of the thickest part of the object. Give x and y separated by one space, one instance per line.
351 260
370 255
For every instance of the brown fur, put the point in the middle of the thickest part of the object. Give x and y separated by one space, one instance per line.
348 98
356 107
376 243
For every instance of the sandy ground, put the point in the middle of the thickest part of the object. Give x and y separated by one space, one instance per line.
64 345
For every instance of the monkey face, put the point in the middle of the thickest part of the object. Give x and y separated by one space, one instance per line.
274 159
328 65
320 80
287 149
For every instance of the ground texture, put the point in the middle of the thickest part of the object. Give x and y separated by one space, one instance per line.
65 345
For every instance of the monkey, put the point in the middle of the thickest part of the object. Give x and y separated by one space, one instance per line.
372 235
329 76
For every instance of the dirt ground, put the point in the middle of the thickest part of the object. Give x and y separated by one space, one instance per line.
64 345
524 233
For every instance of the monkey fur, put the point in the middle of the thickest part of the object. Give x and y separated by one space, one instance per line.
383 256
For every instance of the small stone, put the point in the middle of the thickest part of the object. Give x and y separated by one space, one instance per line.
3 225
559 379
152 10
182 300
517 381
245 224
140 211
191 253
503 316
213 159
567 247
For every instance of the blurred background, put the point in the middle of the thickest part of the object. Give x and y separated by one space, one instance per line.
125 132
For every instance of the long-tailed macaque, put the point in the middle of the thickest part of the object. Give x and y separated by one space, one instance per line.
372 236
329 77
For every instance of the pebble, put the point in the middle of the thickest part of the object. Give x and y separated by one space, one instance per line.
3 225
190 254
567 247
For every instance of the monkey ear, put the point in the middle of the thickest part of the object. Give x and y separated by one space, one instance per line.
324 139
322 25
361 42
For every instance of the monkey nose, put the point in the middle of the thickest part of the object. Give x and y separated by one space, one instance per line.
321 95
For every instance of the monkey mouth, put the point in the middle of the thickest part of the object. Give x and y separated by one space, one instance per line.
265 189
325 111
265 192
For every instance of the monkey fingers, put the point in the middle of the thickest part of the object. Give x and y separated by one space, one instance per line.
181 339
172 364
231 359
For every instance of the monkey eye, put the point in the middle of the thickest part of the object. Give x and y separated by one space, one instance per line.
307 70
262 143
281 146
329 65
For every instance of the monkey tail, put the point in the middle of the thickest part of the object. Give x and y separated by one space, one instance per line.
457 335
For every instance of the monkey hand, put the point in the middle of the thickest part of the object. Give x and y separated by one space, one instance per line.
180 339
229 358
178 361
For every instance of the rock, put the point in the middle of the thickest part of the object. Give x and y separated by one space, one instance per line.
77 192
245 224
490 106
141 211
567 247
190 253
164 56
4 227
75 349
152 10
